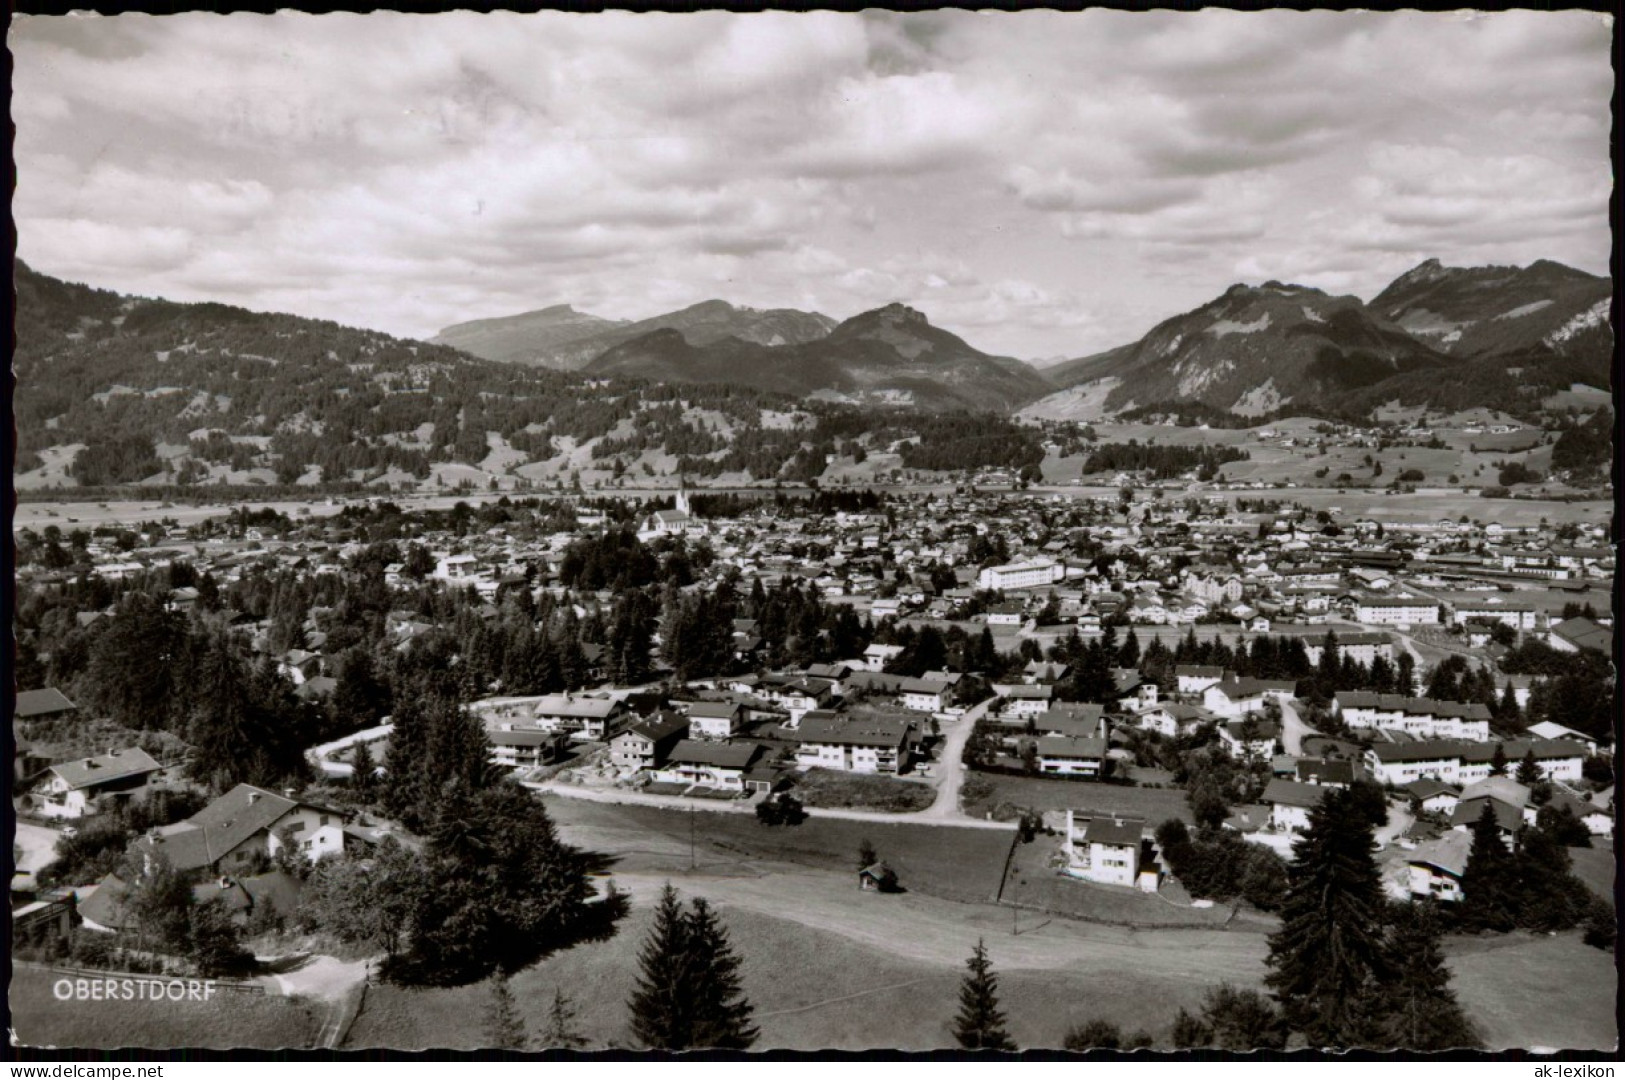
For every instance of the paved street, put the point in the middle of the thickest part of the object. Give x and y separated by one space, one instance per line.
1293 729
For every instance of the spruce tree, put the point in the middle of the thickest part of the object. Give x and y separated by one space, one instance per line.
1329 948
1529 773
1421 1013
980 1023
661 1006
1498 761
504 1030
721 1010
1486 882
561 1032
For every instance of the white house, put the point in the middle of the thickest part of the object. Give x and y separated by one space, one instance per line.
717 720
1107 851
871 745
75 787
1290 803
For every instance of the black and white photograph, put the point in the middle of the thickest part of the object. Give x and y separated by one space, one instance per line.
1006 533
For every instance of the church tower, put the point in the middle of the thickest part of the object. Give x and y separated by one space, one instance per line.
682 495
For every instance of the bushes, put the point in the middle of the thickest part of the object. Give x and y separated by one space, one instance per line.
780 809
1220 865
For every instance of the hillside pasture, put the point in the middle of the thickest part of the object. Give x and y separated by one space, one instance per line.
228 1021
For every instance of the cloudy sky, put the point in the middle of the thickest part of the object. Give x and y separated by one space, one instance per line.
1044 184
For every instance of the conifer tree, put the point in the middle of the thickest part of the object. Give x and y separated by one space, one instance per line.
1498 761
688 993
721 1010
980 1023
561 1032
660 1004
1421 1011
1529 773
1486 882
1329 948
503 1028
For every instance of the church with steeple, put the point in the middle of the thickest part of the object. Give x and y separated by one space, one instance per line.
679 520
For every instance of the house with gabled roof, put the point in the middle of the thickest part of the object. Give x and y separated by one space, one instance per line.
75 789
47 704
708 764
242 825
871 744
648 743
1107 850
1437 866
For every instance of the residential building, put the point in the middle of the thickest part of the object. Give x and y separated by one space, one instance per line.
867 745
716 720
648 743
1107 851
76 789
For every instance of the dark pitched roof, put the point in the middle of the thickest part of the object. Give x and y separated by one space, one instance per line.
32 704
719 754
1290 793
1120 832
206 836
886 731
94 771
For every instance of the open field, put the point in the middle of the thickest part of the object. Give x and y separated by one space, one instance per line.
825 787
1035 883
228 1021
959 864
812 990
1595 866
1003 795
1526 990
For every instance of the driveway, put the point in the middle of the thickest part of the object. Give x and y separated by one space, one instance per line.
748 806
1293 729
950 766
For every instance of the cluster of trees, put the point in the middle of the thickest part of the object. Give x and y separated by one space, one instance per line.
1530 888
1161 461
689 992
1216 863
964 441
1577 691
492 889
1585 448
1348 968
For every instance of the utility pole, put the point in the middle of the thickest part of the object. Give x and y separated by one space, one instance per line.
691 864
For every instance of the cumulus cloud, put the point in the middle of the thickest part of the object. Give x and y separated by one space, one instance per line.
1044 182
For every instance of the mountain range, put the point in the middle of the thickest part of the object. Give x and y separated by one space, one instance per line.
892 355
1442 335
1451 337
564 339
